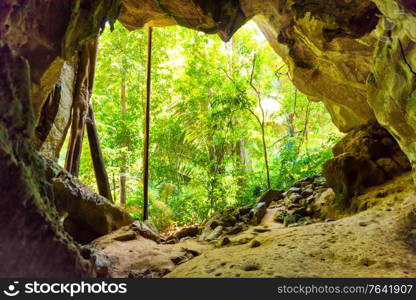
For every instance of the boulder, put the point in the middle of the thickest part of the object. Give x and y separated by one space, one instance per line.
242 211
146 231
349 174
293 190
364 157
236 229
187 231
223 242
215 234
85 214
270 196
257 213
291 219
101 261
307 192
255 244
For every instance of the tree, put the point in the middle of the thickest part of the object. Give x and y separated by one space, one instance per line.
207 149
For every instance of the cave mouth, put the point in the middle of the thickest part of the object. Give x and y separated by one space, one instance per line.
356 57
207 103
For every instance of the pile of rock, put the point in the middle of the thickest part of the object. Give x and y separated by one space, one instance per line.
297 206
234 220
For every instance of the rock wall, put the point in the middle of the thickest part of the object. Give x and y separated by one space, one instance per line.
56 138
86 215
339 52
32 241
356 56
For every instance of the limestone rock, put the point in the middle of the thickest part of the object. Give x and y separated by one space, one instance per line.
146 231
255 244
270 196
363 158
33 242
223 242
187 231
257 213
89 215
215 234
348 175
209 16
236 229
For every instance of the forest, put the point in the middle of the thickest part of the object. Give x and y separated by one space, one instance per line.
227 124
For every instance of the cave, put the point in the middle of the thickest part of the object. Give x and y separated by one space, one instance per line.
358 57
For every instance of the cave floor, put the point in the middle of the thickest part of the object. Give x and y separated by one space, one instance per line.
378 242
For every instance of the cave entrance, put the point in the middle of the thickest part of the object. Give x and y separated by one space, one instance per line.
227 123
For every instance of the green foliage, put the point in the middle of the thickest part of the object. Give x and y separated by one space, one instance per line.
206 144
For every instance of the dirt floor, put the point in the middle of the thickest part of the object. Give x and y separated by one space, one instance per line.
378 242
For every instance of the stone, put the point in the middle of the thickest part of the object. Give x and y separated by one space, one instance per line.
151 225
310 199
146 231
89 215
257 213
270 196
215 234
172 240
307 180
100 260
290 219
292 190
128 236
279 217
223 242
389 166
307 192
229 220
243 240
255 244
190 231
55 139
236 229
214 223
301 212
293 206
242 211
34 243
363 158
295 198
348 175
261 230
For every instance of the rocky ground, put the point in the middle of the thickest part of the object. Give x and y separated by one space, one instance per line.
292 237
378 242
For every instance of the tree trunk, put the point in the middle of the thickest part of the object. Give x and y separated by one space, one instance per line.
83 90
101 176
147 127
266 159
123 157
